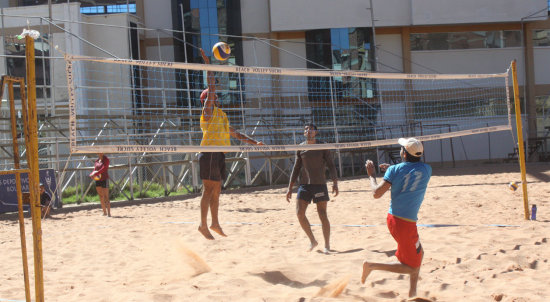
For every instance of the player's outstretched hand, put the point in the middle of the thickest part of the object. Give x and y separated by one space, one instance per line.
383 167
204 57
370 167
260 144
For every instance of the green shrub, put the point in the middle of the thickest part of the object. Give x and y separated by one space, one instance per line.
153 190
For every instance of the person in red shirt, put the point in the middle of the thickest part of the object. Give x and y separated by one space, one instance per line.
101 175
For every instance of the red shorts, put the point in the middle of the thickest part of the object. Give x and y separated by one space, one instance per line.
409 249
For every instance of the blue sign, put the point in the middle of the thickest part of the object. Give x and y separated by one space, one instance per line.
8 189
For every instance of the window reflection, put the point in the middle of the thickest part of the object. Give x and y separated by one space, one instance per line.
543 114
466 40
207 23
541 37
341 49
15 62
109 9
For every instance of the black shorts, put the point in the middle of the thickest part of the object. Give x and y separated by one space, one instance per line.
101 183
212 165
316 193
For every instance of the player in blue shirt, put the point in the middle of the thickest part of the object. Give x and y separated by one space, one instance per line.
408 182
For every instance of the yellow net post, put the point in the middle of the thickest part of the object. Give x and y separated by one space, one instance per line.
31 142
9 81
521 148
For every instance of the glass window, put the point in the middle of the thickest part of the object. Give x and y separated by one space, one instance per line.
205 18
108 9
15 62
541 37
92 10
341 49
512 38
207 23
543 115
121 8
466 40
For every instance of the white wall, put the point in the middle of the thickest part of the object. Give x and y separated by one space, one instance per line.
157 14
468 61
391 12
255 16
65 41
296 55
293 86
494 145
112 39
390 54
59 77
289 15
425 12
256 53
3 60
542 65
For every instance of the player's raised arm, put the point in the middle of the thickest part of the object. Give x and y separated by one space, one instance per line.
243 137
211 98
378 189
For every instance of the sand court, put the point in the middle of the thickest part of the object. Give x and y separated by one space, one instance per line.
477 246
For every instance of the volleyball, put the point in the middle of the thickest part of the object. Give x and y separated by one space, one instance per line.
513 185
221 51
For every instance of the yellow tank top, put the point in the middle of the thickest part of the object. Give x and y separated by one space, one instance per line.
215 132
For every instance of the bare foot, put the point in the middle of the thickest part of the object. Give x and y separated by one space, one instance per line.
204 231
419 299
366 271
218 229
313 245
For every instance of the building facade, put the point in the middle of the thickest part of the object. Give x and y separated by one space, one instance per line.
426 36
421 36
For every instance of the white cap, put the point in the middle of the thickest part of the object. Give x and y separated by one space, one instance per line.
412 145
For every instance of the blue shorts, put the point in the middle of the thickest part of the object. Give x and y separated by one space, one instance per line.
317 193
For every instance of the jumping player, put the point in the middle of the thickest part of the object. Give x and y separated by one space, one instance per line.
215 132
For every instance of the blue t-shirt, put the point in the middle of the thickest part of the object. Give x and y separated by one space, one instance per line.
408 186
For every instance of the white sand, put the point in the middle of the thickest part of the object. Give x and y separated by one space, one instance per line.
153 252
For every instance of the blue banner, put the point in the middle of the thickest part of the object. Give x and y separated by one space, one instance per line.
8 189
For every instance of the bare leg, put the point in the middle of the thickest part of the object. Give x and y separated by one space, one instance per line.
322 211
47 209
107 200
205 204
414 278
398 268
301 207
101 199
214 207
414 282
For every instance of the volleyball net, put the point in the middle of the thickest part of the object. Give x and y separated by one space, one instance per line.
127 106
